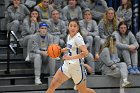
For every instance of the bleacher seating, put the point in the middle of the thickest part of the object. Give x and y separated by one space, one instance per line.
105 84
21 77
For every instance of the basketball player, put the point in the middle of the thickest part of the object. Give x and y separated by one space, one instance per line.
73 67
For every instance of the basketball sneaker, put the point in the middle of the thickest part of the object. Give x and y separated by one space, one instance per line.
126 84
37 81
27 59
75 88
136 70
131 70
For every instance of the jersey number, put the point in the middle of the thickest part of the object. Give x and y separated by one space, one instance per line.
70 53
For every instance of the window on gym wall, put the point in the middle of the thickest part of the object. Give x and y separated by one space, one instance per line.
113 3
135 16
139 15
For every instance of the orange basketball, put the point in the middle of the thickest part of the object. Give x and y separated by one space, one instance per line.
54 50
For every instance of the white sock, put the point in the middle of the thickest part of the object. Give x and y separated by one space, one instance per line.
27 58
125 79
37 77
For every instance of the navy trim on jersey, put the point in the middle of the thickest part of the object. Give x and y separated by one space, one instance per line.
77 51
82 71
61 69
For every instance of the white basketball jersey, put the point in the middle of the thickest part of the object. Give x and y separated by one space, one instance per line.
73 44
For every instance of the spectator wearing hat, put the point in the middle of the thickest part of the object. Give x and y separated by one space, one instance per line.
42 63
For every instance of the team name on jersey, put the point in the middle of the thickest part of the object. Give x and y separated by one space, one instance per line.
69 46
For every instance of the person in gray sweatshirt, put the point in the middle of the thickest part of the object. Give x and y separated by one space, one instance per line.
38 54
90 64
30 27
58 4
16 13
28 3
89 30
124 12
127 46
98 7
44 9
107 25
72 10
110 62
57 27
81 3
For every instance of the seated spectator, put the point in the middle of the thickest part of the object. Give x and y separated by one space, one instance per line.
28 3
30 27
124 12
72 10
98 8
89 30
107 25
42 63
111 64
16 13
44 9
81 3
58 4
89 64
127 46
57 27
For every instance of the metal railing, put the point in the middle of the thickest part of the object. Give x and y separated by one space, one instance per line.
12 46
